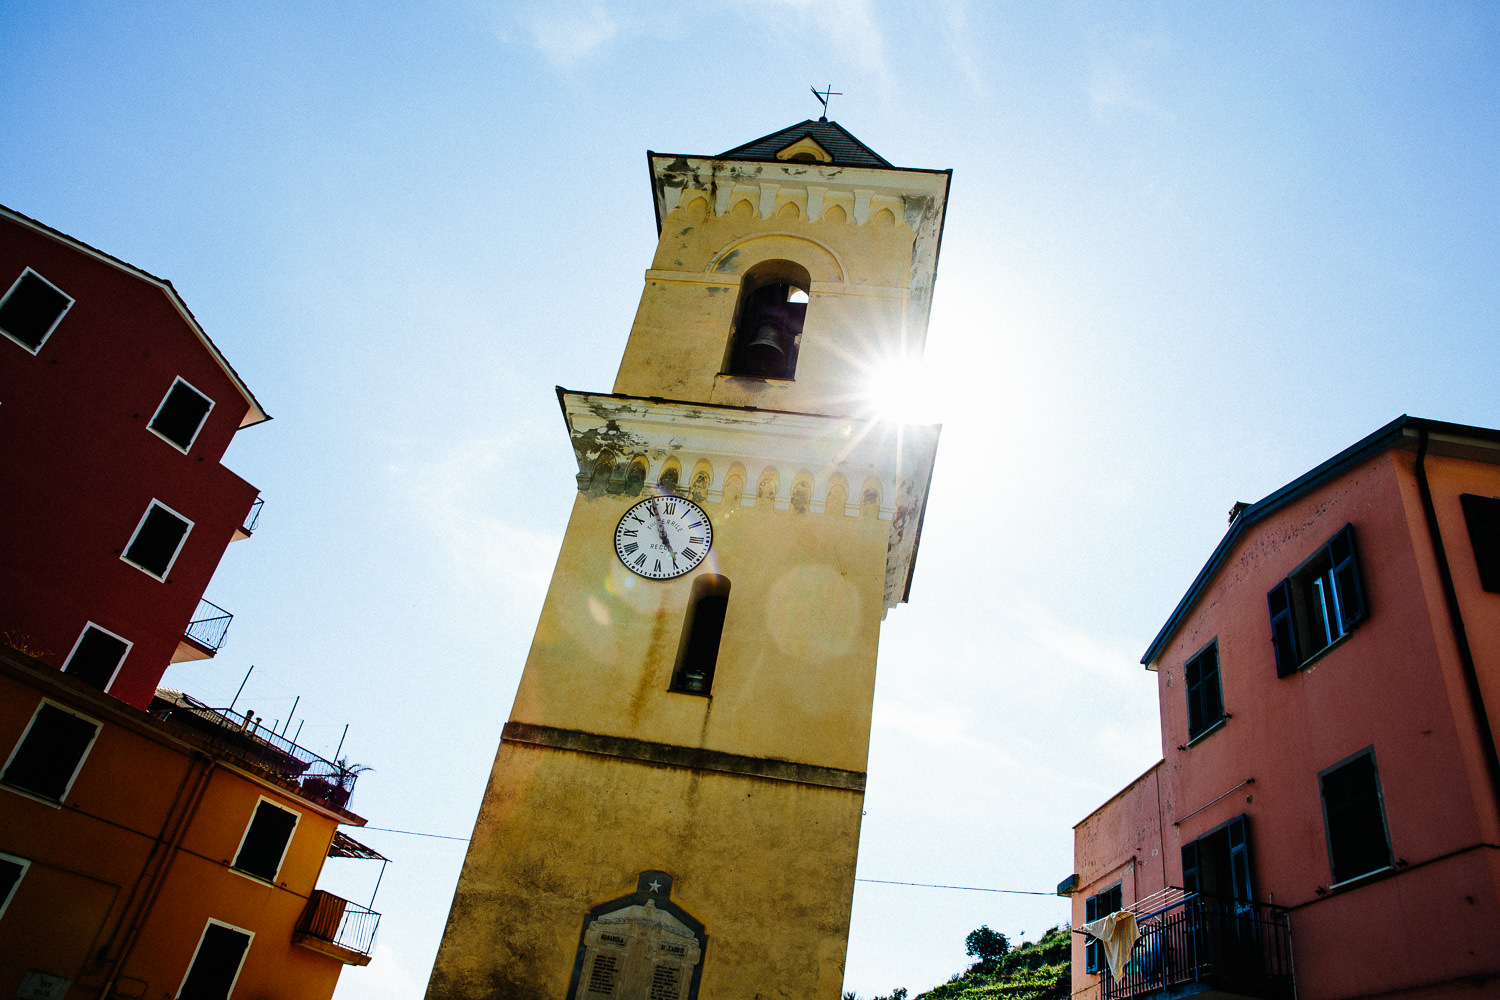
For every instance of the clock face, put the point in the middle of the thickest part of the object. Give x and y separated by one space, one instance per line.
663 537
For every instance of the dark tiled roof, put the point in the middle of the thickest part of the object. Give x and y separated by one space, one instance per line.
846 150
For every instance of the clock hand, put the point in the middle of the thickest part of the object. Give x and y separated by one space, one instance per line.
661 532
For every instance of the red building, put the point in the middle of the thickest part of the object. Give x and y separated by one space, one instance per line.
1325 821
150 845
115 410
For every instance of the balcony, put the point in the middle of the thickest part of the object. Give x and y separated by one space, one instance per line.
1204 947
245 742
247 529
205 633
335 927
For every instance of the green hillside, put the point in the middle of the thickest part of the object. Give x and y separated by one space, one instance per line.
1031 971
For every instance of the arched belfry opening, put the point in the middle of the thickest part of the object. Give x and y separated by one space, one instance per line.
768 320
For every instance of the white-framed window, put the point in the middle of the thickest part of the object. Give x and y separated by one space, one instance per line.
12 870
97 656
157 540
181 415
31 310
216 963
268 835
1354 817
50 753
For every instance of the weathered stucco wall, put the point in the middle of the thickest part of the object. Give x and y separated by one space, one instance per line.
771 860
856 315
796 670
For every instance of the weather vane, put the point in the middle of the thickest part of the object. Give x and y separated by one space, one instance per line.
823 96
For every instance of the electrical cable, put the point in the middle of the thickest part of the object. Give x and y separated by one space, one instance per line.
877 881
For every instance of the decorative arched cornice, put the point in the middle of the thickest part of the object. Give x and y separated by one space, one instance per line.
742 254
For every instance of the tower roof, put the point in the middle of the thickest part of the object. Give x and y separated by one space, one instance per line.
837 145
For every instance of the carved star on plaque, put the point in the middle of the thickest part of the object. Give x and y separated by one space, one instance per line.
655 885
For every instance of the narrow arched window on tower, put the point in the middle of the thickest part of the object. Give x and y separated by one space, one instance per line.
768 322
698 653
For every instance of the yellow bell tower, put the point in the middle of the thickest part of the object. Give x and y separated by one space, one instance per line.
674 808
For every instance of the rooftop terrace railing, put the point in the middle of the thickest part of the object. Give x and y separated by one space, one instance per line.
1235 947
255 746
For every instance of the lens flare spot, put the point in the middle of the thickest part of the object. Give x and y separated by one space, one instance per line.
599 611
813 613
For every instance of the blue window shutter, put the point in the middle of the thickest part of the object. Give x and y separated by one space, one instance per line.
1283 634
1239 857
1351 595
1190 867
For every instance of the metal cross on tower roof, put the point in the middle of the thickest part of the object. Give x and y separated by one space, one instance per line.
823 96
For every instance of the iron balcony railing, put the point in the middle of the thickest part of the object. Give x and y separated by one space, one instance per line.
209 626
253 516
249 743
339 922
1232 946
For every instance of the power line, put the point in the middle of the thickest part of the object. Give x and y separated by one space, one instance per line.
967 888
414 833
877 881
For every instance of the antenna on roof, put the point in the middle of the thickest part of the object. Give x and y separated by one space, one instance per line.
823 96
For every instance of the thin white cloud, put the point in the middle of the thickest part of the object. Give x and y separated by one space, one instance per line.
1077 648
959 36
567 33
1119 72
849 27
457 496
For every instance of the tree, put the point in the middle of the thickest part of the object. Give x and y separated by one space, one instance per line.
986 945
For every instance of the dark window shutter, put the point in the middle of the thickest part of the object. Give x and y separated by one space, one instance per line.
265 841
1239 858
216 964
1351 596
1204 697
1190 880
1483 517
47 758
1283 632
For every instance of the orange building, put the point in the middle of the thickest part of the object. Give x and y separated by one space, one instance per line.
1325 821
150 846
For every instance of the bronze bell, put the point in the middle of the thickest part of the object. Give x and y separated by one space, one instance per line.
765 353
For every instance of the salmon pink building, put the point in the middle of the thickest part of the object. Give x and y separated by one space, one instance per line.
150 845
1325 819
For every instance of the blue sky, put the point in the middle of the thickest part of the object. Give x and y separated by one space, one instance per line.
1192 250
